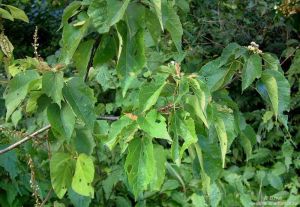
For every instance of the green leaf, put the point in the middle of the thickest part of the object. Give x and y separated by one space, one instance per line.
9 162
248 139
69 12
6 15
154 124
173 24
252 70
61 172
71 38
149 94
78 200
106 50
82 56
52 85
271 62
84 141
18 88
160 158
17 13
222 135
140 164
81 99
215 195
62 120
153 25
184 129
16 117
157 8
105 14
84 176
275 181
275 89
115 132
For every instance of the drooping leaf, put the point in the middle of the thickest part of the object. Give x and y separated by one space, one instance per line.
6 15
157 8
18 89
149 94
84 140
140 164
61 171
106 50
71 37
173 24
248 139
275 89
251 70
271 62
84 176
62 120
52 85
81 99
82 56
16 117
184 129
105 14
160 161
154 124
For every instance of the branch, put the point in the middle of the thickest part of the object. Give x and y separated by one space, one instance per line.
108 118
25 139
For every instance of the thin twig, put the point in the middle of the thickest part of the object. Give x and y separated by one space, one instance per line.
47 198
13 146
108 118
25 139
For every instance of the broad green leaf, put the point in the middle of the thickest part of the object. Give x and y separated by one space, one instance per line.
52 85
248 139
84 141
62 120
198 200
275 89
17 90
149 94
252 70
215 195
157 8
213 75
61 171
81 99
222 135
184 129
153 25
6 15
105 14
9 162
16 117
84 176
154 124
17 13
71 38
106 50
275 181
32 102
160 157
115 132
132 57
82 56
140 164
246 200
106 77
69 12
173 24
78 200
271 62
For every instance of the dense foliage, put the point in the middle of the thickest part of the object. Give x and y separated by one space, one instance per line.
151 103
